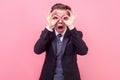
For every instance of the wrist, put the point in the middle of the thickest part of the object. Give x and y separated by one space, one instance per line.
71 27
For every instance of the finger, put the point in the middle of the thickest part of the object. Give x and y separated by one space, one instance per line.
71 13
48 17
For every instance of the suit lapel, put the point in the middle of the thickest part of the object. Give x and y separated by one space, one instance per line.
54 42
54 45
65 40
64 43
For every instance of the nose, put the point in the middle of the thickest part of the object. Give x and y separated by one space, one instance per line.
60 21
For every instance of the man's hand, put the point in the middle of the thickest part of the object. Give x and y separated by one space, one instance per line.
51 22
70 21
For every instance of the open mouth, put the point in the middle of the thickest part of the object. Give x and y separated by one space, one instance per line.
60 27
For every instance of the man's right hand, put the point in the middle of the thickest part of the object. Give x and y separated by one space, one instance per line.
51 22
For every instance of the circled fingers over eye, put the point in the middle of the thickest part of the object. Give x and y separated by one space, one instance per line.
55 17
65 18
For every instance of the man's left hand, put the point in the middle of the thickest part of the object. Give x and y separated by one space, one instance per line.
70 21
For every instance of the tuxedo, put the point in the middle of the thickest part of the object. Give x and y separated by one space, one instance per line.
72 45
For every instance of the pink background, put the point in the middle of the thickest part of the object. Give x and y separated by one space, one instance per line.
21 22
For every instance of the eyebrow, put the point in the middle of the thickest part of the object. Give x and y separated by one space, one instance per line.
58 15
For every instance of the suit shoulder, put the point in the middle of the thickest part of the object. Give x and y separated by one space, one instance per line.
80 33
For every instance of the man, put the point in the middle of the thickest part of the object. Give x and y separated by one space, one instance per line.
62 42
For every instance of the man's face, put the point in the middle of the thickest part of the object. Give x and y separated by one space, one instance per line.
60 16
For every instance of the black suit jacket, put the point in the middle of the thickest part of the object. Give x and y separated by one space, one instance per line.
72 45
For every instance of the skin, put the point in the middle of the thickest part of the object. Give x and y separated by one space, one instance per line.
58 18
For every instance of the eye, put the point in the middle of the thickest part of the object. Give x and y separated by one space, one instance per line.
65 18
55 17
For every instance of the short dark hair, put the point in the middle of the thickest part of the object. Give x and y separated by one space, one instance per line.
60 6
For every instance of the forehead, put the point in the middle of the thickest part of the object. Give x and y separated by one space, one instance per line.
59 12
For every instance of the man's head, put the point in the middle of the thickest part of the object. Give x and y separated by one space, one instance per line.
60 13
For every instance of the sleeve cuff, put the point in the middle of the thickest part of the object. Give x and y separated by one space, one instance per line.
47 27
